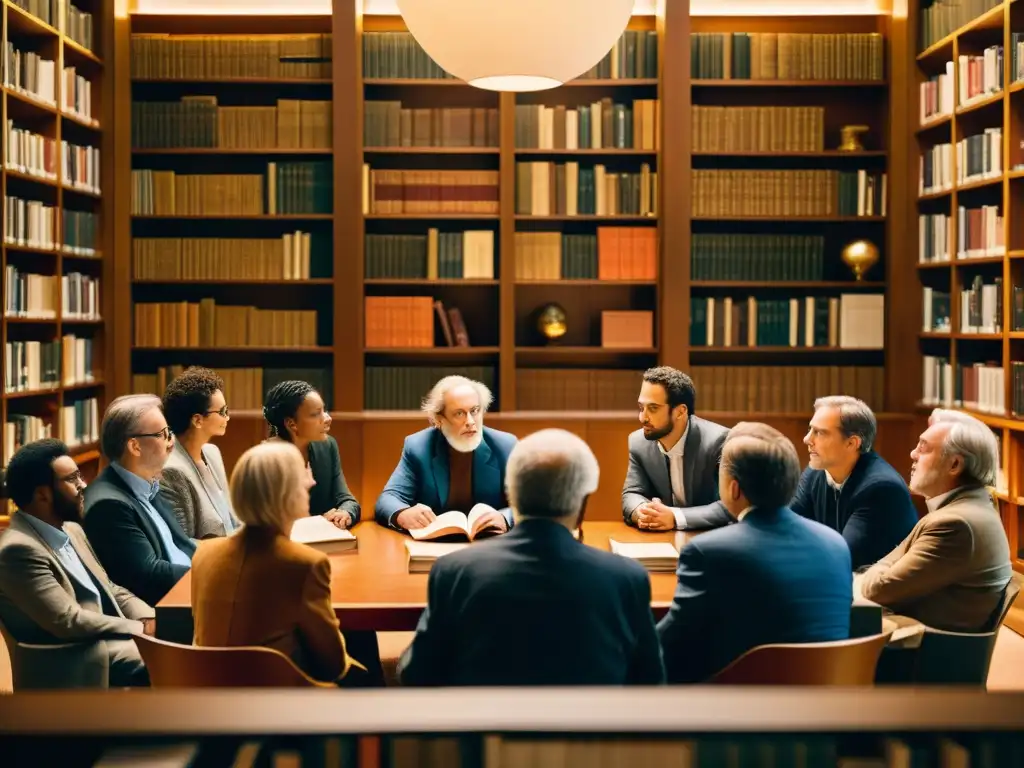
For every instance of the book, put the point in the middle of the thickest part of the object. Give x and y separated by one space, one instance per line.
318 532
456 524
422 554
655 556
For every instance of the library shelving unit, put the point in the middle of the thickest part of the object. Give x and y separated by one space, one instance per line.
970 97
776 317
56 166
231 220
457 215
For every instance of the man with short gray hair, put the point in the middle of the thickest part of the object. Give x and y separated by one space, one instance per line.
849 487
774 577
130 526
535 606
950 571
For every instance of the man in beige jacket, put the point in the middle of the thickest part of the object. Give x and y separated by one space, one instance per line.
951 570
54 591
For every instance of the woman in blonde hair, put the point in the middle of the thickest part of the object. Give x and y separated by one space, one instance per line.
257 587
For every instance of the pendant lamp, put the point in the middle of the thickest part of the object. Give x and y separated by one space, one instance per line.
516 45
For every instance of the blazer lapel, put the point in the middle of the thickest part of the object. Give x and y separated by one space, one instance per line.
657 469
693 460
486 475
441 468
197 479
183 543
97 573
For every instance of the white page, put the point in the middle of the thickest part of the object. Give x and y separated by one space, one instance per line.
318 528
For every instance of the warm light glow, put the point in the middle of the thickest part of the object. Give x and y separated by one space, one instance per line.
390 7
516 45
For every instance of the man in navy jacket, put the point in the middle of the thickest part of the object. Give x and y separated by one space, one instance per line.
774 577
849 487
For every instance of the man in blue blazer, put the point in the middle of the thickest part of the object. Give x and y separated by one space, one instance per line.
773 577
454 465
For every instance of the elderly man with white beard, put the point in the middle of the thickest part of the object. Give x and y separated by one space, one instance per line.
455 464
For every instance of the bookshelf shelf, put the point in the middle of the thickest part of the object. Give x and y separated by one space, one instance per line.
780 284
719 83
222 81
430 150
270 151
60 165
984 364
234 281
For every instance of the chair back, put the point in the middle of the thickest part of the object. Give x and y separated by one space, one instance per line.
172 665
952 658
841 662
39 667
1010 593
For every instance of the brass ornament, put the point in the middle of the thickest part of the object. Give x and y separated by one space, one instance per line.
848 138
860 256
551 322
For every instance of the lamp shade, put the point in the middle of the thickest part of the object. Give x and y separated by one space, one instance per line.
516 45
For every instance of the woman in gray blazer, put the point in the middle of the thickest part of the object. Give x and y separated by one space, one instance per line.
194 481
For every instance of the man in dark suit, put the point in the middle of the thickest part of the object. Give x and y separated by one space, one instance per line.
455 464
131 527
849 487
536 606
774 577
52 589
672 480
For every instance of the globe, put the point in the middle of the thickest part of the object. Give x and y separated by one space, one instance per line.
551 322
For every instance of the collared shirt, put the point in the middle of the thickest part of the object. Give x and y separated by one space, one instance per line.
145 492
676 477
936 501
743 514
832 483
57 540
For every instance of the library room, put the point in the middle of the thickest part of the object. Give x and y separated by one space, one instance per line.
362 345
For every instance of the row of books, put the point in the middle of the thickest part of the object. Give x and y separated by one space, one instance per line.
38 296
244 388
206 324
77 423
779 193
446 255
294 256
199 122
30 366
33 224
977 386
786 56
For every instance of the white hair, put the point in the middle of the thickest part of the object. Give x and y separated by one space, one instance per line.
433 403
550 473
972 440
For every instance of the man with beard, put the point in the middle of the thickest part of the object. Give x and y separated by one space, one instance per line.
52 588
455 464
672 481
952 568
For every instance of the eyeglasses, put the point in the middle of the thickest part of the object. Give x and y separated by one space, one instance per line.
223 411
74 478
164 433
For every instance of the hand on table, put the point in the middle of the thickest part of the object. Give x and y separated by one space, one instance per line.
339 517
655 516
418 516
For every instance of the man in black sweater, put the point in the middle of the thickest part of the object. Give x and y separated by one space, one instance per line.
849 487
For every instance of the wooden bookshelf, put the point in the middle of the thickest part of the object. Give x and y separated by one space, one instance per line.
230 231
970 286
499 304
57 158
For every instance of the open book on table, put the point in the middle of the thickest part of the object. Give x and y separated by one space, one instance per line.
320 533
456 524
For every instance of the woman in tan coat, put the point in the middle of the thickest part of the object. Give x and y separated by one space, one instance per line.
256 586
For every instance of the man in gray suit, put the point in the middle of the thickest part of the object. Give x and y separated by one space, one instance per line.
672 481
52 588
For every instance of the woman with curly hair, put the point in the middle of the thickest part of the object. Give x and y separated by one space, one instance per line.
296 414
194 481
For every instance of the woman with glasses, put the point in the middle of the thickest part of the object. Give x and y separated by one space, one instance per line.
194 482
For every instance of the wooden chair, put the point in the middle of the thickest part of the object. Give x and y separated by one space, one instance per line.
172 665
37 667
842 662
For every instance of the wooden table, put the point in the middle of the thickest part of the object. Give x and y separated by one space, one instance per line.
372 588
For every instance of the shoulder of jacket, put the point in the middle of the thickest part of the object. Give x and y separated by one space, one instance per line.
711 429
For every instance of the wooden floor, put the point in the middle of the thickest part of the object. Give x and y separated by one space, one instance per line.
1006 673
